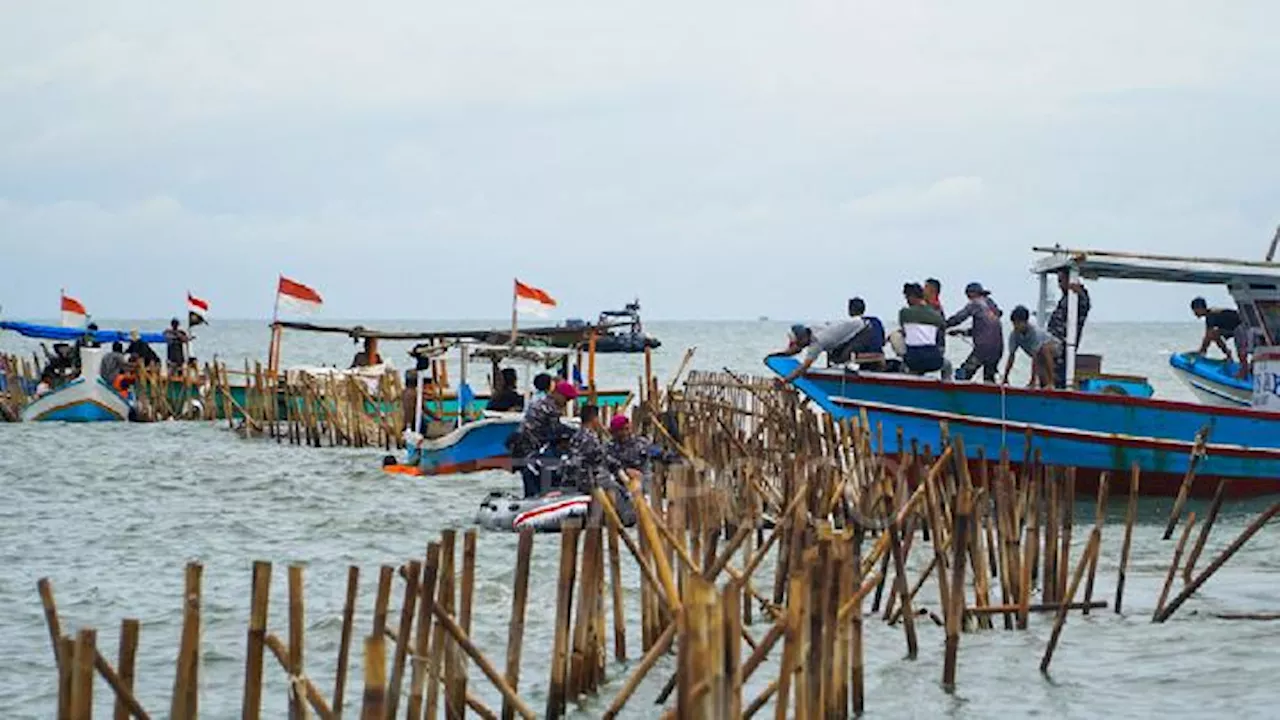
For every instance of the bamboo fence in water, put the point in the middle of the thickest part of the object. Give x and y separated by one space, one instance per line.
763 559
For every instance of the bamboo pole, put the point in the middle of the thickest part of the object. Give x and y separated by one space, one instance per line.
344 644
1130 515
1184 491
82 674
297 644
1173 566
556 693
422 639
186 684
1218 495
1086 558
519 603
375 678
1218 562
400 659
128 658
260 598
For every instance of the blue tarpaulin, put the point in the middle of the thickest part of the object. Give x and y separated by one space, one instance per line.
54 332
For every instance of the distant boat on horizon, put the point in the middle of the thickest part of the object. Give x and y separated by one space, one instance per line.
763 318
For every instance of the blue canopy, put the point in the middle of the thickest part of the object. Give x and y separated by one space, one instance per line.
54 332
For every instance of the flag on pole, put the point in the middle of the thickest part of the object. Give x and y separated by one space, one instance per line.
296 296
197 309
73 313
531 300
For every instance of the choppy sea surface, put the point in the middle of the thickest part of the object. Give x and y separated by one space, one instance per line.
112 512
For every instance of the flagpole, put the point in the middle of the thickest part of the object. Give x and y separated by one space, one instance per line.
513 311
273 350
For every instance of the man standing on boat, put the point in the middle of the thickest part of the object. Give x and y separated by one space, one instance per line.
1058 321
986 333
175 340
1220 325
1040 346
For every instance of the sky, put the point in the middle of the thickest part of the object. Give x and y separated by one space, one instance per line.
715 159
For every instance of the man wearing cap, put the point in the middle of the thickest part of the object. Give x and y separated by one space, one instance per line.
628 450
985 331
541 426
1221 324
815 342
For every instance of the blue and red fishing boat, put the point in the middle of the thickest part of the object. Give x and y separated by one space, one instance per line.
1110 430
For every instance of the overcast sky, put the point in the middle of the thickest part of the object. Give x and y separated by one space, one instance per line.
718 159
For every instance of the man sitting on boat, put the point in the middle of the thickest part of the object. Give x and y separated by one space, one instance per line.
833 339
869 341
1039 345
1220 325
506 396
985 331
367 357
921 326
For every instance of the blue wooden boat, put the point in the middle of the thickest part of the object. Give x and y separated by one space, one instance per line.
1214 381
1098 424
87 398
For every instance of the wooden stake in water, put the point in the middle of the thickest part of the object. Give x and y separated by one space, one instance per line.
344 644
515 631
186 684
261 596
1129 517
1214 507
1173 566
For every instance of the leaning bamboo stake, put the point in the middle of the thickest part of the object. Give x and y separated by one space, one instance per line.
1184 491
344 644
1218 562
1085 559
1214 507
445 620
51 619
66 675
407 608
1130 515
659 648
1173 566
422 639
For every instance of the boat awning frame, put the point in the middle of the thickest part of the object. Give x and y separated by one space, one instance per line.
1106 264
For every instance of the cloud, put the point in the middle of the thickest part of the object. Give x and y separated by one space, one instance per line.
952 194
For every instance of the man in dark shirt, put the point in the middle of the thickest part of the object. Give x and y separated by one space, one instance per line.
1221 324
1058 320
140 352
506 397
175 339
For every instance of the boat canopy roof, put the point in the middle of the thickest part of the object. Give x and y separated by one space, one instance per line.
55 332
534 353
359 332
1095 264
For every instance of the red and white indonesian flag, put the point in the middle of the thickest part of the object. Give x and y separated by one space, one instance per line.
197 310
297 297
73 314
532 300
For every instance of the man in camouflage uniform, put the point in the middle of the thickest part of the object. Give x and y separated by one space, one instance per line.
629 450
540 427
590 466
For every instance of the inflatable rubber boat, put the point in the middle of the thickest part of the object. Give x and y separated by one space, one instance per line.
545 513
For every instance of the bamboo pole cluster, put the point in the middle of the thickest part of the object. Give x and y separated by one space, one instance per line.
763 558
17 376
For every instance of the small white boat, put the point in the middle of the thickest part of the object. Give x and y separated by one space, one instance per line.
87 398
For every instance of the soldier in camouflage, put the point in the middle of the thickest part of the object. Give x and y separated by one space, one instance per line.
540 427
629 450
588 462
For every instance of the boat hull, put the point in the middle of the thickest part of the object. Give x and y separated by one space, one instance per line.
81 400
1213 382
1095 433
479 445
